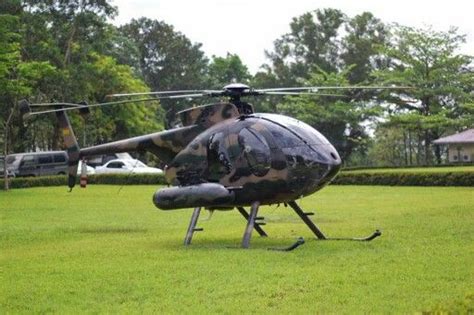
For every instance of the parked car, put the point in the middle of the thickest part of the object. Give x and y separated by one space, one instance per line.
38 163
41 164
89 169
99 160
126 166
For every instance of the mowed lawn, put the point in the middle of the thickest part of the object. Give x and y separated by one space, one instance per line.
106 250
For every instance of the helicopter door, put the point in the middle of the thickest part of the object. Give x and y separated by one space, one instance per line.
256 151
218 160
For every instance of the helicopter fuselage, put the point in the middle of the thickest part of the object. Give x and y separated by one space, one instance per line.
266 157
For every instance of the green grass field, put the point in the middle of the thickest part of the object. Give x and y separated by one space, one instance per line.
96 250
415 170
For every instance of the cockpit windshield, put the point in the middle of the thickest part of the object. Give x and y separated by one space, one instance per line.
304 134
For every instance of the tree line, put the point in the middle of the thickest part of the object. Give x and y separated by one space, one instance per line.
56 50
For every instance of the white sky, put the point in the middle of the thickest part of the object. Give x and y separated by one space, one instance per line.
248 27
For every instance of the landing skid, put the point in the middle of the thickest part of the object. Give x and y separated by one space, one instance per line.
254 224
305 217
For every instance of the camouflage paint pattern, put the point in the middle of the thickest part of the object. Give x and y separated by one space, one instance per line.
221 158
167 144
260 157
72 147
208 115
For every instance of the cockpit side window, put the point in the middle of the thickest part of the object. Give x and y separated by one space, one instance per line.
256 151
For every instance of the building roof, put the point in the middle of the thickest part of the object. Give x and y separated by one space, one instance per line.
462 137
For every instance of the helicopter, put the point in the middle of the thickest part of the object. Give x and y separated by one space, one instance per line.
224 156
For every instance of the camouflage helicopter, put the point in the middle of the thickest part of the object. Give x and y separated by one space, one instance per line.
224 156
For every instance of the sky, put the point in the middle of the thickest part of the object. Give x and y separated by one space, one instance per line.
249 27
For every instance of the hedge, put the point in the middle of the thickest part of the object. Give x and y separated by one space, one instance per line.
388 178
108 179
406 179
440 166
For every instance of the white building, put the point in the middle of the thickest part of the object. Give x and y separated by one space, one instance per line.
460 146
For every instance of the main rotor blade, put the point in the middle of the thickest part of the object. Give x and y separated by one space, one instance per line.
317 88
302 93
57 104
183 96
83 106
162 93
78 106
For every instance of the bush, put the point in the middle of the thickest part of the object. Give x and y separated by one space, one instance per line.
389 178
440 166
406 179
109 179
125 179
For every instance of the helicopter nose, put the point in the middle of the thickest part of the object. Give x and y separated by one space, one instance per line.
331 161
328 155
334 159
333 170
334 164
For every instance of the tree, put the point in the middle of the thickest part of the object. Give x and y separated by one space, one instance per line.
73 36
395 144
224 70
16 76
312 42
167 60
442 82
64 32
360 46
116 122
316 53
336 117
315 42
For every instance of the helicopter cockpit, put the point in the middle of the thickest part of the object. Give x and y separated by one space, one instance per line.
253 145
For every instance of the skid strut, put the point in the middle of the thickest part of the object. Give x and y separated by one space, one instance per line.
305 217
250 224
257 225
192 226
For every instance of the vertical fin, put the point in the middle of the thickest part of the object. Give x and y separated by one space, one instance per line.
72 147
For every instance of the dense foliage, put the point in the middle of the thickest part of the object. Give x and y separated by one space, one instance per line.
52 50
441 99
327 48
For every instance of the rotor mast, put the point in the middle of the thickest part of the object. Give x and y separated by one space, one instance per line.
235 91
